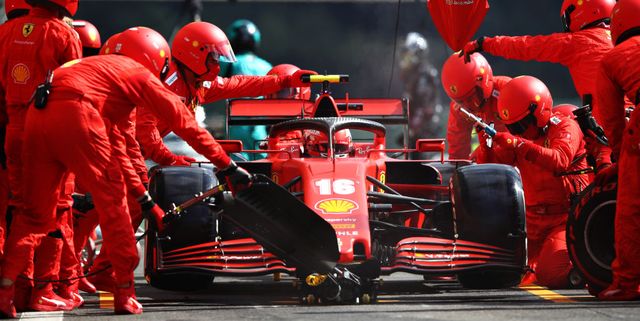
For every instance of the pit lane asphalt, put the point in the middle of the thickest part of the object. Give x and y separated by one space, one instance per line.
403 296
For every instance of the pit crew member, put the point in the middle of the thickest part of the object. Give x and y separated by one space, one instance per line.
619 76
32 46
473 86
544 146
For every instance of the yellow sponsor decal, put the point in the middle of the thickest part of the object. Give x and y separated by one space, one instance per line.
336 206
343 226
20 74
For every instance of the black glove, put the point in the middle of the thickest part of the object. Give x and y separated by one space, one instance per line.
236 177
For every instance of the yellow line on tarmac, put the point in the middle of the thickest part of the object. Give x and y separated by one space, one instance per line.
106 300
547 294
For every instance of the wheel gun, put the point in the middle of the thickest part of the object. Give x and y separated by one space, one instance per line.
588 124
478 122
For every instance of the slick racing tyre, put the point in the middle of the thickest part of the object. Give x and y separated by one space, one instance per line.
489 210
197 224
590 233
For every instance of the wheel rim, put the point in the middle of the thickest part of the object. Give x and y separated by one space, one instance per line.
599 241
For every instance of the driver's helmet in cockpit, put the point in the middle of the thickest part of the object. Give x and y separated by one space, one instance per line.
317 144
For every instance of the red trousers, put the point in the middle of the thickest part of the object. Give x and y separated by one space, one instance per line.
547 246
102 260
626 266
48 256
70 135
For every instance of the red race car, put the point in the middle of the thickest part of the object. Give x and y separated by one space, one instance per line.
338 218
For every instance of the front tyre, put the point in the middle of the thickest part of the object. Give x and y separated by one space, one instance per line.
590 233
489 209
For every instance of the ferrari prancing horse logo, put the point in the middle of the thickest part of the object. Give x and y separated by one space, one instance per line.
27 29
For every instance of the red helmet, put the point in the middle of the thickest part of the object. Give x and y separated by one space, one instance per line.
197 41
11 5
71 6
523 101
109 45
565 109
624 20
284 70
468 84
89 35
317 144
578 14
143 45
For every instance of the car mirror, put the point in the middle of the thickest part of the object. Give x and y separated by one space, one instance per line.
231 146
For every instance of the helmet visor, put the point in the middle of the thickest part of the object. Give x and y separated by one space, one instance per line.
522 125
566 17
473 99
222 52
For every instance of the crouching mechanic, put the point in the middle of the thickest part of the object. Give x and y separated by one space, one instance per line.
544 146
619 76
472 86
198 48
75 131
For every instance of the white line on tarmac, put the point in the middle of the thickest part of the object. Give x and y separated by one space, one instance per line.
44 316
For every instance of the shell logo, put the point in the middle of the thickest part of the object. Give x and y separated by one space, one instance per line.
336 206
20 74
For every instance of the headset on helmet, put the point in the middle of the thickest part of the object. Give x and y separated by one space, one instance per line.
143 45
89 36
524 101
197 41
244 36
15 8
624 20
468 84
317 143
285 70
579 14
70 6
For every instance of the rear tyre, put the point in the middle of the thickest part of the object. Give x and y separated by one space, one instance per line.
489 209
174 185
590 234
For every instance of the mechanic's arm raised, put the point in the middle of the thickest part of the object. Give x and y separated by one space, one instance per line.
545 48
253 86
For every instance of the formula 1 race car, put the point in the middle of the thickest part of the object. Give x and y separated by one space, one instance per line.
337 223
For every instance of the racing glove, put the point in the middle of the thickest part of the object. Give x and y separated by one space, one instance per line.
151 211
237 177
471 47
295 80
182 160
508 141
